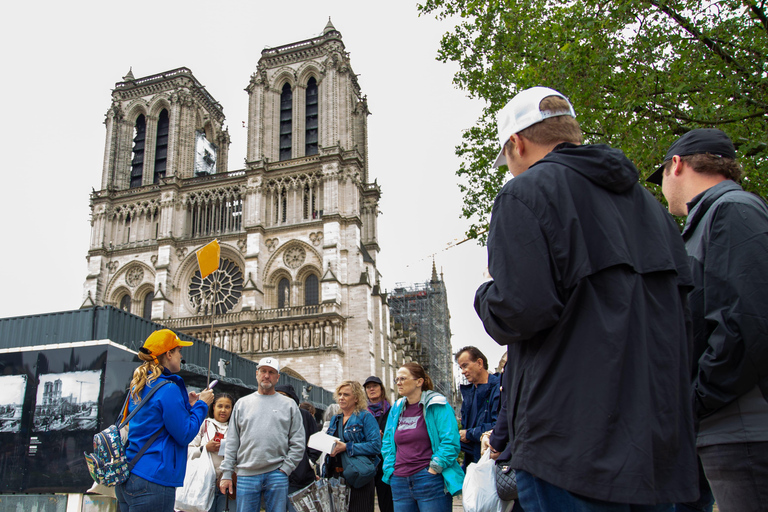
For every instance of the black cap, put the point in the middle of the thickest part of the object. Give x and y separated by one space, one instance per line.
701 140
374 379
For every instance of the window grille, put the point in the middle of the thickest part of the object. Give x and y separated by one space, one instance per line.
311 291
147 313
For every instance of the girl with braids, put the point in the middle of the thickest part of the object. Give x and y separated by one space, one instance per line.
174 413
420 446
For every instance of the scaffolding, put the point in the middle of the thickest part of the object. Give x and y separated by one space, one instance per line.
420 312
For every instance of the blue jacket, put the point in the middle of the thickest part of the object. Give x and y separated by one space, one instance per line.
361 435
487 398
443 436
165 462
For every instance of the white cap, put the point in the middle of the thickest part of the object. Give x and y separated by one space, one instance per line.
272 362
523 111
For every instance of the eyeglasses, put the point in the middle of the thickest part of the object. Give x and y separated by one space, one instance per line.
403 379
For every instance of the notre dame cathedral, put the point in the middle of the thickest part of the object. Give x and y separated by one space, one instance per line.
297 226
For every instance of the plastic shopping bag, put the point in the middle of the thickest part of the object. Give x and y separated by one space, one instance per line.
479 489
199 485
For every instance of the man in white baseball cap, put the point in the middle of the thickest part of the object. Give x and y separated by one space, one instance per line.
589 290
264 443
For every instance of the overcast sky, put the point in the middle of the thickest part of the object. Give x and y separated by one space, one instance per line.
62 59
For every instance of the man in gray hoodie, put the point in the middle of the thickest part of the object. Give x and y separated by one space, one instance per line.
264 444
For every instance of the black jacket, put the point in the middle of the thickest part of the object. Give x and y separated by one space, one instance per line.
304 474
726 236
590 295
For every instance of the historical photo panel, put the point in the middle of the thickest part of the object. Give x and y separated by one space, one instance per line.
11 401
67 401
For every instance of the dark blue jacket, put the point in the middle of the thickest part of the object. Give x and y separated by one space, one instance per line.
165 462
484 417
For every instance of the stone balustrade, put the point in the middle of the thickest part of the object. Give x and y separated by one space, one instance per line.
269 330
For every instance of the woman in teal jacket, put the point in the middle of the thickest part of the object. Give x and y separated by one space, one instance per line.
420 446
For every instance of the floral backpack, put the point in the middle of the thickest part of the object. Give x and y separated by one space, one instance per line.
108 464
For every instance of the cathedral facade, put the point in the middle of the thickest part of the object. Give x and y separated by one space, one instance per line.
297 225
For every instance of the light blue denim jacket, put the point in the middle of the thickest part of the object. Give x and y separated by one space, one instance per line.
443 436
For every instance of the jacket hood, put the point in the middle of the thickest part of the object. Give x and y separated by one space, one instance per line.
288 390
603 165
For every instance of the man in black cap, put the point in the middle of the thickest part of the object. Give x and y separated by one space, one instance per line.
379 406
726 236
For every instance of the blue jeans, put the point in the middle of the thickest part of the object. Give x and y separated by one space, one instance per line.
139 495
537 495
422 492
738 475
274 487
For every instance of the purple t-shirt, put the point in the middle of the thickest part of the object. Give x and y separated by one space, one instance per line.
414 451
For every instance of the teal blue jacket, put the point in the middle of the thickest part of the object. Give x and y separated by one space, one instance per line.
443 435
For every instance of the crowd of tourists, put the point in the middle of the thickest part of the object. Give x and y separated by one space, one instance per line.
636 374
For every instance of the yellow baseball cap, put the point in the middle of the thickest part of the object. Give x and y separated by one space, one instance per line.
160 342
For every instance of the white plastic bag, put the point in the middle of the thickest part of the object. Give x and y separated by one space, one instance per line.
479 489
199 485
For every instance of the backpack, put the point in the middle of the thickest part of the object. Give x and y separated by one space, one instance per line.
108 464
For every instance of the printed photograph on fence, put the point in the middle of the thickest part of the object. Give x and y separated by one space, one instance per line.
67 401
11 401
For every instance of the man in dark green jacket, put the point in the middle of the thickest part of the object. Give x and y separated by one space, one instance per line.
726 236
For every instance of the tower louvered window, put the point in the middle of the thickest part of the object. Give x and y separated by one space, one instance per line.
137 161
312 121
161 147
286 117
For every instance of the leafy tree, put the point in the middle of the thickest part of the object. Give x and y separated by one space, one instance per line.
639 73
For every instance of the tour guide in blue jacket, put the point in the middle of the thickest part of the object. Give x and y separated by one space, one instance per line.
441 422
164 462
176 414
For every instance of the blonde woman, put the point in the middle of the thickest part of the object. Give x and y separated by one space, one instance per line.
359 437
174 413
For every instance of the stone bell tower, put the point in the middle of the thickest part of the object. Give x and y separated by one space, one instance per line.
297 226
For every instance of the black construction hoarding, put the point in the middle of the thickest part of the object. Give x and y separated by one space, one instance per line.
54 401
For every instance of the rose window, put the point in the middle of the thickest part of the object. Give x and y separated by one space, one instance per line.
223 287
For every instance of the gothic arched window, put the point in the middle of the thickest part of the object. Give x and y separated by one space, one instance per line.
311 291
284 293
310 147
147 313
161 146
137 161
286 116
125 303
